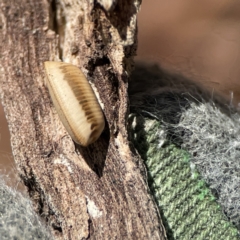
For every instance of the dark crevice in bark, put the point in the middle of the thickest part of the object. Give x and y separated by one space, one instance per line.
57 23
53 17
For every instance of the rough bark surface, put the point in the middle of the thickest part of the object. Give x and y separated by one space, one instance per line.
98 192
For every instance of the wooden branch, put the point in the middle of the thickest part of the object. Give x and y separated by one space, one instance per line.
98 192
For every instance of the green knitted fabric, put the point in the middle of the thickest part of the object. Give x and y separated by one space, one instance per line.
187 207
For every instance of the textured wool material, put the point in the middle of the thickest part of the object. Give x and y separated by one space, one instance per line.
190 142
18 219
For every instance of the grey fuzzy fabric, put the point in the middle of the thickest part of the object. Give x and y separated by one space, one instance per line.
213 139
204 125
17 217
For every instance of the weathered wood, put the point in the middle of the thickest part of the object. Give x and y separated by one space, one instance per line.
98 192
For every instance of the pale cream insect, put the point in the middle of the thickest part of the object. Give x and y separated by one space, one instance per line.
75 102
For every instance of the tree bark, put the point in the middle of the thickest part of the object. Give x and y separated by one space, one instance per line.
98 192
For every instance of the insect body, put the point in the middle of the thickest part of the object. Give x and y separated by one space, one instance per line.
75 102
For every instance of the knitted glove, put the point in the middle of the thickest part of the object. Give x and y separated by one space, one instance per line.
190 145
